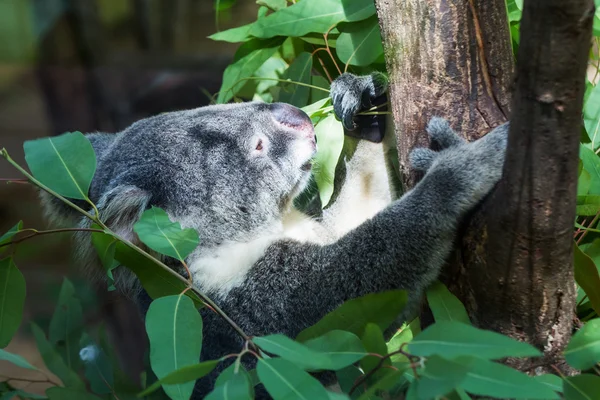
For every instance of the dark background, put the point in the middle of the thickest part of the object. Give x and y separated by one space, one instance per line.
95 65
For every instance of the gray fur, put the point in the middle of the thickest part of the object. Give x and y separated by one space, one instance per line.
201 167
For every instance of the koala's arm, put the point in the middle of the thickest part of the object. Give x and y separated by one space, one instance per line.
404 246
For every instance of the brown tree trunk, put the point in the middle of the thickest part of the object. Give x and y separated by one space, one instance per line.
453 58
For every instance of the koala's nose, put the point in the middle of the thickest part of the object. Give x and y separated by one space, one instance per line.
292 117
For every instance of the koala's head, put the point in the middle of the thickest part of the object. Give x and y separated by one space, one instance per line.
225 170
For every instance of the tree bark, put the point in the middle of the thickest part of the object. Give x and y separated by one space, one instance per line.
452 58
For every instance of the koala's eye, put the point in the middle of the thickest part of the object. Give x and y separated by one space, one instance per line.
259 145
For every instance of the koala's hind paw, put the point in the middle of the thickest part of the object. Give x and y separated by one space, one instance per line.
442 135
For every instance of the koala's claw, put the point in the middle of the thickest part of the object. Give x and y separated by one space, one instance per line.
442 134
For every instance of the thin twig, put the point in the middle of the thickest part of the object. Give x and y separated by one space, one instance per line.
40 233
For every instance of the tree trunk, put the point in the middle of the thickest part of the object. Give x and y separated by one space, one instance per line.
453 58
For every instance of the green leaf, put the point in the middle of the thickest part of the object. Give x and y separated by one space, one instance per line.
54 361
341 348
234 388
334 350
374 343
61 393
66 325
21 395
584 181
98 369
380 308
440 376
7 237
452 339
385 383
105 246
273 4
347 377
228 372
552 381
591 163
587 277
311 16
298 71
65 163
284 380
15 359
444 305
159 233
588 205
233 35
182 375
330 136
582 387
249 57
360 43
591 116
486 378
316 108
12 300
583 351
157 281
290 350
174 327
404 335
357 10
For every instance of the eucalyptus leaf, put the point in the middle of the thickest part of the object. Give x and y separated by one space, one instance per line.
66 325
7 237
587 276
12 300
452 339
373 341
233 35
298 71
360 43
182 375
106 246
16 360
330 139
65 163
591 163
249 57
54 361
311 16
583 351
159 233
581 387
342 348
385 383
444 305
228 372
440 376
174 327
156 280
403 335
234 388
379 308
487 378
98 369
284 380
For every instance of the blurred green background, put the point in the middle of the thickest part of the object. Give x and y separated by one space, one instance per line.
95 65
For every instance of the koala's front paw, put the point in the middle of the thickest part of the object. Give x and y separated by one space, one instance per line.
463 171
351 94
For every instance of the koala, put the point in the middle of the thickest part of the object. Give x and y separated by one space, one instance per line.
232 172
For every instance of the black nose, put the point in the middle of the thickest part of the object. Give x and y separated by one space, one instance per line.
290 116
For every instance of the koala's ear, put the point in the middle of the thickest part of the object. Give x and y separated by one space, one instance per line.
121 207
